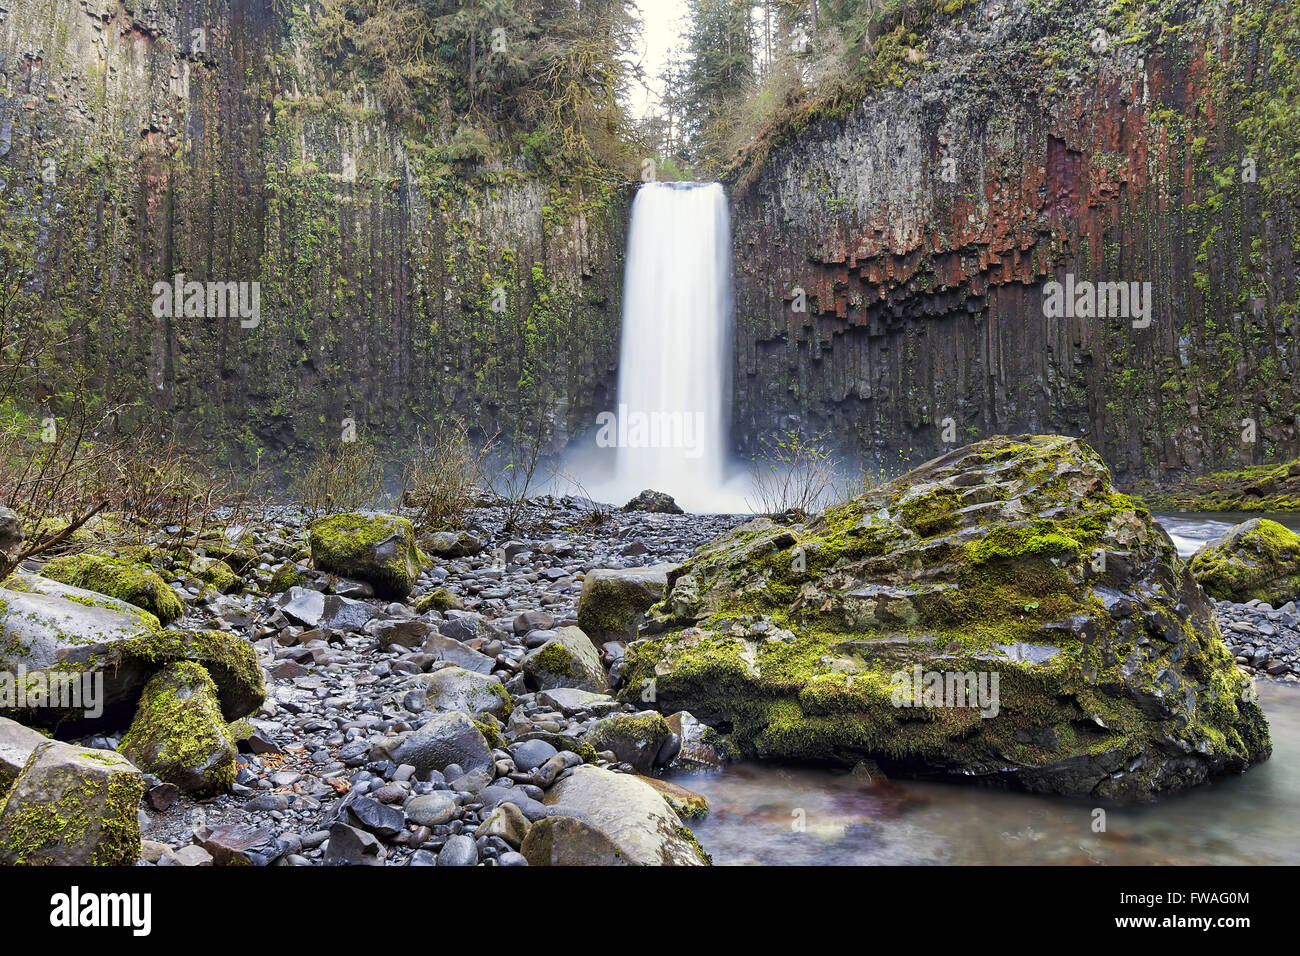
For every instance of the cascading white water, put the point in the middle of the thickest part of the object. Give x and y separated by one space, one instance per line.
674 379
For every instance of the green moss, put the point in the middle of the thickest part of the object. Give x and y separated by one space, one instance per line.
179 733
1259 561
286 576
378 549
131 583
552 658
439 600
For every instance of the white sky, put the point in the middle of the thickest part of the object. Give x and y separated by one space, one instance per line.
663 23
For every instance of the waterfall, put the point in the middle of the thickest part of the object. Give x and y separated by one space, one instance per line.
674 379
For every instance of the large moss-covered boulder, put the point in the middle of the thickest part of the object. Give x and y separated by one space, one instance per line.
1259 559
614 599
49 629
567 660
455 688
72 806
376 548
133 583
179 733
1000 613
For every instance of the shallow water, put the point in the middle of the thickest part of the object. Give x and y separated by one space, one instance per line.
775 816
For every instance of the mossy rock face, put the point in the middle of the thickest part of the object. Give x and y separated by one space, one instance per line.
72 806
376 548
51 630
866 633
1259 559
613 600
179 733
216 574
133 583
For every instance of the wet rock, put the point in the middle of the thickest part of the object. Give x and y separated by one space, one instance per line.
47 627
568 841
567 660
239 845
16 745
454 688
876 615
634 739
634 817
449 738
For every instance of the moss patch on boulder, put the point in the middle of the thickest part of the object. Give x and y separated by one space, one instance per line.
376 548
133 583
179 733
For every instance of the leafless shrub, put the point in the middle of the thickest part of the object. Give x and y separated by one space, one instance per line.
347 476
792 474
443 477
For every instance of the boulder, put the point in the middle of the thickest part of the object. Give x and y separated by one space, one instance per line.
1000 613
179 734
450 738
51 628
451 544
508 822
316 610
687 804
635 739
1256 560
72 806
631 813
440 600
568 841
613 600
567 660
458 689
655 502
368 546
702 747
449 649
16 745
135 584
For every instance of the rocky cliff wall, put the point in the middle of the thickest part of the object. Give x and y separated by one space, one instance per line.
149 139
1014 144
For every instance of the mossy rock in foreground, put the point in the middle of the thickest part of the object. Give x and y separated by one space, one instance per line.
1256 560
861 634
179 733
376 548
133 583
72 806
48 629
